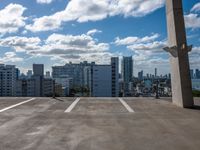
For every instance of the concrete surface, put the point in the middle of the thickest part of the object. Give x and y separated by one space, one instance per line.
98 124
180 68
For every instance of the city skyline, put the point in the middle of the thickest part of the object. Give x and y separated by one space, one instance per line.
195 73
59 31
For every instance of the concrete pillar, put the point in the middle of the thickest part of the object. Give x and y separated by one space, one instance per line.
178 49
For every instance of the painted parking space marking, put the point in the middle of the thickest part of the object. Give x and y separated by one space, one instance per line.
69 109
126 105
15 105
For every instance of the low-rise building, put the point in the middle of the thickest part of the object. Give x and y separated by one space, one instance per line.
196 84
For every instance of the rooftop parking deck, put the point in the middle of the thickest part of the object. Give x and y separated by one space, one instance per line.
97 124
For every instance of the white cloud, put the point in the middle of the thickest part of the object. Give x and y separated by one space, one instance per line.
10 57
20 44
196 7
133 39
79 42
155 46
192 20
45 23
44 1
147 52
61 47
73 48
147 44
93 31
194 56
11 18
93 10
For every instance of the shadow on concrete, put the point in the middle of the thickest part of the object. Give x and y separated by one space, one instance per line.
58 99
196 107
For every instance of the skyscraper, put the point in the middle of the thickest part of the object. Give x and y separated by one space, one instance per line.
127 73
115 76
156 72
38 75
38 70
140 75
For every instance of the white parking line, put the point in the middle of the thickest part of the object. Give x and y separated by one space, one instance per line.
69 109
126 105
15 105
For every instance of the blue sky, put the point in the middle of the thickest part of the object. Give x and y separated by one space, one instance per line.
55 32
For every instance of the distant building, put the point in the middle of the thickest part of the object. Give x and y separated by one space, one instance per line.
127 73
196 84
38 76
38 70
87 76
31 87
101 81
48 74
47 87
140 75
192 73
75 71
36 85
8 77
29 74
156 72
25 87
38 82
115 76
66 83
59 91
197 73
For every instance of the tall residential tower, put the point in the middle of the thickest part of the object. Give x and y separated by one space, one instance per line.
127 73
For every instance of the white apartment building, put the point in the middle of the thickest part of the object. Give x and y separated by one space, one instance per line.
8 77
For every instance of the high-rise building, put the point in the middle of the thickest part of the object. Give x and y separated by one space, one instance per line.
29 74
101 81
48 74
35 85
127 73
8 78
38 76
87 76
38 70
156 73
115 76
140 75
74 71
192 73
197 73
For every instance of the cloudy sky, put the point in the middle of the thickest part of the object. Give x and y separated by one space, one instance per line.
54 32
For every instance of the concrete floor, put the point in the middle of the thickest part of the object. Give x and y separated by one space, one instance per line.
98 124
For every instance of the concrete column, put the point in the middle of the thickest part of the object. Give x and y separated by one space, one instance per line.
179 61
